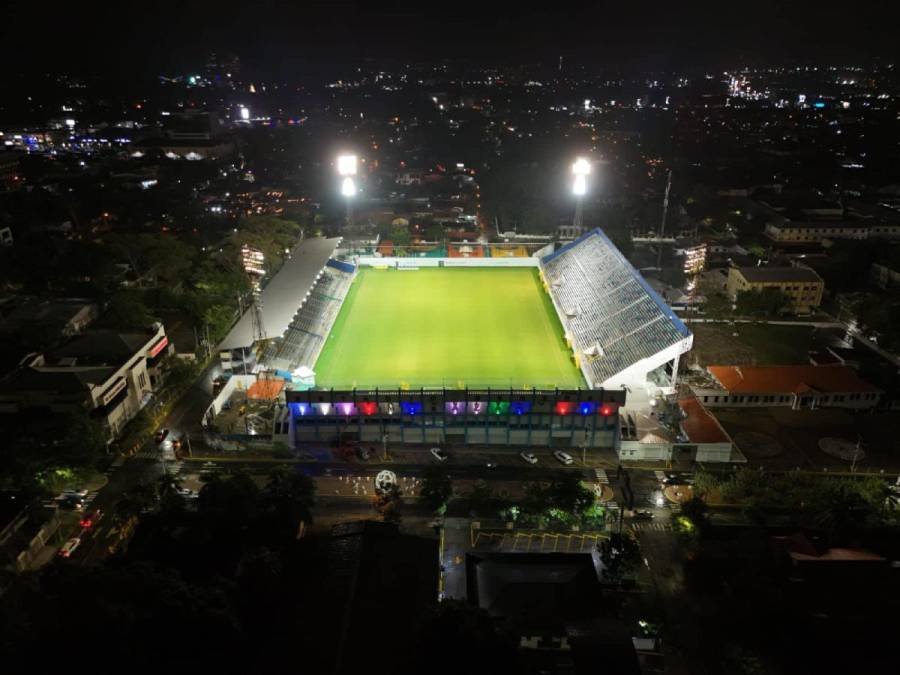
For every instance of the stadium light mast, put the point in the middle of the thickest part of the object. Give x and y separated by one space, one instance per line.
580 169
346 165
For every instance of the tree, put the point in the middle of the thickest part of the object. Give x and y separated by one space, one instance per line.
128 310
473 637
482 501
232 498
287 500
437 488
704 483
137 500
387 503
765 302
167 490
620 555
570 495
695 510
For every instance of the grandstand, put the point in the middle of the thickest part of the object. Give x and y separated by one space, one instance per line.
620 330
303 340
278 302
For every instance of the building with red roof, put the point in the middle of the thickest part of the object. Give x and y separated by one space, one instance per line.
794 386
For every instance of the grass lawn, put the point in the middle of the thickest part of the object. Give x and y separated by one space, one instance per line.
447 327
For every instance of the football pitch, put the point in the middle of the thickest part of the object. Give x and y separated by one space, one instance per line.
481 327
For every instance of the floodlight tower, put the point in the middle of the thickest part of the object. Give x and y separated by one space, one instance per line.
580 169
346 165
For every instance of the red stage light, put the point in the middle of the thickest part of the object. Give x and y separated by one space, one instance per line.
563 408
368 407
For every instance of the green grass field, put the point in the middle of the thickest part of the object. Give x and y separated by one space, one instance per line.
447 327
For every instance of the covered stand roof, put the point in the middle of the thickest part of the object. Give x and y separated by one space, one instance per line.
284 293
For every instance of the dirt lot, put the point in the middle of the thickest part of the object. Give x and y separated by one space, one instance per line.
754 344
784 438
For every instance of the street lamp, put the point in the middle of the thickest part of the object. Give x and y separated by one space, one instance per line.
580 169
346 166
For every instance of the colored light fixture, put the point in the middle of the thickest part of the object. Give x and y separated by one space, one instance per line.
498 408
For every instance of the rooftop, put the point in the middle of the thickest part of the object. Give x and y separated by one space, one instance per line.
775 274
699 425
796 379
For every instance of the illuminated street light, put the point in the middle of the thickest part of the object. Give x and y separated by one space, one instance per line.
581 169
580 187
245 113
346 165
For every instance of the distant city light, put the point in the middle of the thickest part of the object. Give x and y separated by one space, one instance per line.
587 104
245 113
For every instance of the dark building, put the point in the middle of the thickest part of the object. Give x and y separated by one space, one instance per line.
554 604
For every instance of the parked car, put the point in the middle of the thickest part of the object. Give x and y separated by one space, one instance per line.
643 515
363 453
160 435
491 465
529 457
69 547
439 454
563 457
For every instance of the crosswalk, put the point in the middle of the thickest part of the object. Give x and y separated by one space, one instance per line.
660 476
600 475
174 468
148 452
651 527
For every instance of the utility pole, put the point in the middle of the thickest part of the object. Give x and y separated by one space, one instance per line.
662 224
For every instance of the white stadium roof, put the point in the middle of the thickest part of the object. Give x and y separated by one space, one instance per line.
610 313
285 291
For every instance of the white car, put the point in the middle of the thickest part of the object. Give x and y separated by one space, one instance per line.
69 547
529 457
439 455
563 457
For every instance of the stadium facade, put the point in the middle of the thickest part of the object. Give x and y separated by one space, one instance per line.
572 418
624 339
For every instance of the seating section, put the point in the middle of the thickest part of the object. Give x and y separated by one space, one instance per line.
612 317
305 336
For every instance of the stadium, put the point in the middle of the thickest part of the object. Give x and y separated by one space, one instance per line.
478 345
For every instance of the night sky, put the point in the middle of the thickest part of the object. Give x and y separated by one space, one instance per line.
276 35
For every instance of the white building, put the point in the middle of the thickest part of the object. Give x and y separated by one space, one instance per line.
111 375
